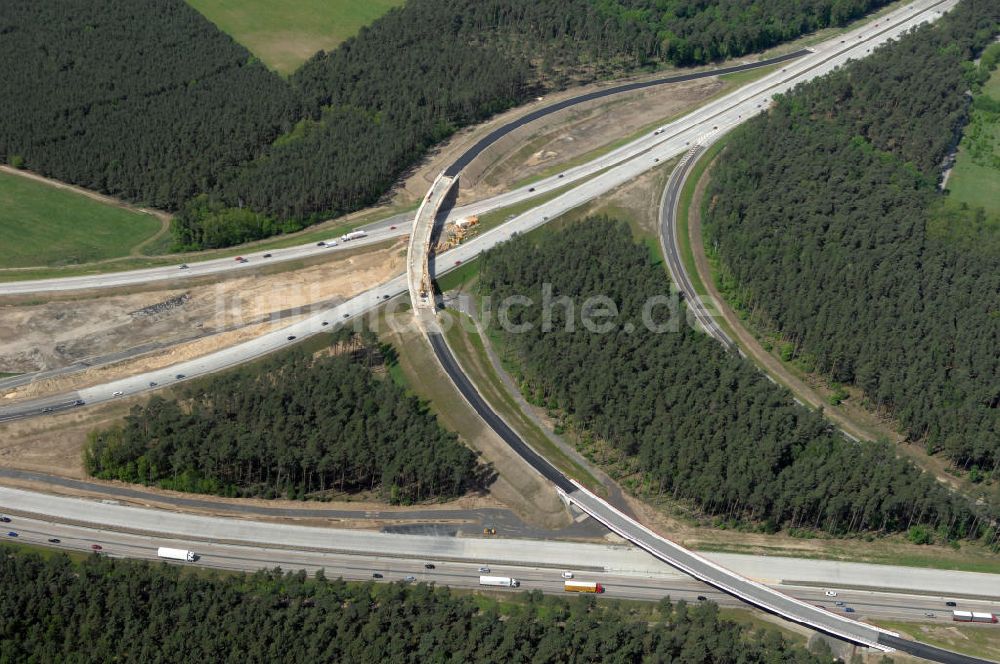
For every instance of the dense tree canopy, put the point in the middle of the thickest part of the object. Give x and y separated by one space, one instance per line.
141 99
700 424
107 609
147 100
291 425
831 230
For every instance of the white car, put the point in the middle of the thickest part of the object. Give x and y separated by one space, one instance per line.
567 575
830 593
117 394
484 570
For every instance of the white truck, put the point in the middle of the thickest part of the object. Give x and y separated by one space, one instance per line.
176 554
499 581
353 236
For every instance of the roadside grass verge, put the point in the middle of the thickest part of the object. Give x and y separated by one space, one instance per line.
975 640
468 346
313 234
895 551
43 225
286 34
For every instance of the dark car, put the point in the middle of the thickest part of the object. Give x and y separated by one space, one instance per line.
376 575
385 297
96 547
291 337
951 604
325 323
4 519
347 315
848 609
54 540
78 402
48 409
429 566
152 383
321 244
267 255
182 266
531 189
180 376
12 534
702 598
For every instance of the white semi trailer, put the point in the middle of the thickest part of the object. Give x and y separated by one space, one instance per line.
176 554
355 235
499 581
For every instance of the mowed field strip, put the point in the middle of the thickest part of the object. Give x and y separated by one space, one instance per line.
41 224
286 34
973 183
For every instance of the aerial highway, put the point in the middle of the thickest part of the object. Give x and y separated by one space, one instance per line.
694 564
873 591
612 169
670 246
728 109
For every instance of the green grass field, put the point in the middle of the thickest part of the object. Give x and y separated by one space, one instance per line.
42 225
975 184
286 34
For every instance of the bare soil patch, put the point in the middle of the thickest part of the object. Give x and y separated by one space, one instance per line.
190 321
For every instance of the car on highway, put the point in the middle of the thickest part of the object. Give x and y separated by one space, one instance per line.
458 262
321 243
96 547
152 383
830 593
928 615
385 297
48 409
4 519
79 402
562 175
347 315
266 256
567 575
839 603
848 609
531 189
392 228
484 570
702 598
54 540
325 323
117 393
180 376
428 565
376 575
291 337
182 266
409 578
11 534
951 603
239 259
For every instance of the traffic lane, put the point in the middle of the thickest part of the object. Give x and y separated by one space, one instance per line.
616 156
931 653
380 231
471 394
324 321
757 594
452 573
466 157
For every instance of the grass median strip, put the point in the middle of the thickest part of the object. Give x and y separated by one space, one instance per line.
469 349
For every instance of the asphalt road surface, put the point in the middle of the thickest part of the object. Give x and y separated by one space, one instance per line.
622 165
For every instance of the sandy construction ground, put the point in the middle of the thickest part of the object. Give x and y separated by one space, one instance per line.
186 322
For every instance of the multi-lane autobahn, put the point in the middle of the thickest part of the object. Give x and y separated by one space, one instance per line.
604 173
598 177
696 565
